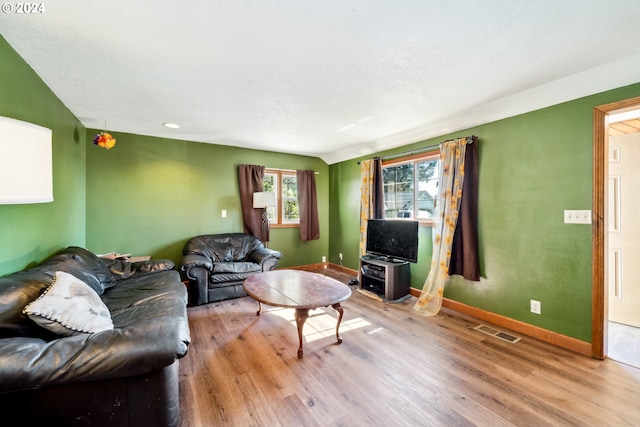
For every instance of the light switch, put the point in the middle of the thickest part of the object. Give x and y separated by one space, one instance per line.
577 217
224 213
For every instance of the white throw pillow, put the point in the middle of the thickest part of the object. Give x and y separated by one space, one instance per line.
69 307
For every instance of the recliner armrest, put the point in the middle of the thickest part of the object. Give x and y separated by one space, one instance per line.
260 255
191 261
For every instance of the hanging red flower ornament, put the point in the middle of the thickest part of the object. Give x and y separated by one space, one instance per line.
104 140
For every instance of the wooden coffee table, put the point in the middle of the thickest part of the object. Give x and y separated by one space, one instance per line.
300 290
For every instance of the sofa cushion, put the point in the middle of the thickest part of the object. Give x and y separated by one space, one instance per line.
17 290
83 264
123 269
20 288
69 307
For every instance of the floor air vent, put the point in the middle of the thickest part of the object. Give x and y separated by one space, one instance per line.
498 334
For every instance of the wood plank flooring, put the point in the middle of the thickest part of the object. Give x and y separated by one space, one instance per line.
394 368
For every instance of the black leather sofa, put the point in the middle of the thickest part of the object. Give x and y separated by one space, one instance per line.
217 264
125 376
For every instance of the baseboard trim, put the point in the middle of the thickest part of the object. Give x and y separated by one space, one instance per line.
324 266
563 341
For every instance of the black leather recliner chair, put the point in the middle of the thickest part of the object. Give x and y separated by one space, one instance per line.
217 264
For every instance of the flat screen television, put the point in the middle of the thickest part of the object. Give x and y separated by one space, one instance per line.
396 239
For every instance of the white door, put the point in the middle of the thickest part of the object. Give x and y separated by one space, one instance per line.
624 229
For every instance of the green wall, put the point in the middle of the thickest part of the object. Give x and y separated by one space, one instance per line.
148 196
29 233
532 167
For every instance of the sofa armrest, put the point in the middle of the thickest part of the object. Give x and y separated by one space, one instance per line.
194 260
198 285
197 268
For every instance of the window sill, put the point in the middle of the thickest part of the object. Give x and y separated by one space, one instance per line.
425 223
285 225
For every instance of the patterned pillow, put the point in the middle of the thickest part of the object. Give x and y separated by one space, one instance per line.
69 307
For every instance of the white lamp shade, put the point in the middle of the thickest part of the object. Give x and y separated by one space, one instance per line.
264 199
26 166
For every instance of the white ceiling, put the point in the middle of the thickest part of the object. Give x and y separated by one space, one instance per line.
327 78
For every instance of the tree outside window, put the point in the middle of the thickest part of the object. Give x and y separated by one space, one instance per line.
284 184
270 183
411 187
290 212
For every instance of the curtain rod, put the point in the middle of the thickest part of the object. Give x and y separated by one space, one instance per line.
289 170
470 140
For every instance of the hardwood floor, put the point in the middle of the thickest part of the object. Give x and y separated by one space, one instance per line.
394 368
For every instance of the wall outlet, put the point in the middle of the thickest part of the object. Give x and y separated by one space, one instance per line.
536 306
340 256
324 258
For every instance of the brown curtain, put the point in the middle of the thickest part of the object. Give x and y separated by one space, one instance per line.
465 260
250 181
308 205
377 190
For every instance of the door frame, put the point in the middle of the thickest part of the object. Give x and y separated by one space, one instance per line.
599 312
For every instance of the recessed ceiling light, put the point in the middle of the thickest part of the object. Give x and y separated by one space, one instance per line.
171 125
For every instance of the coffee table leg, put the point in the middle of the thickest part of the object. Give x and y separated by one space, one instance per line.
340 310
301 317
259 308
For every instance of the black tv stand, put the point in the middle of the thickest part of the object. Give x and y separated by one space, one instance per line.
386 277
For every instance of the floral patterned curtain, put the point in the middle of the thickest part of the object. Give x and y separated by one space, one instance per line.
452 155
366 202
371 196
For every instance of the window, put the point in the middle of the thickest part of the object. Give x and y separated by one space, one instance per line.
285 185
411 186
